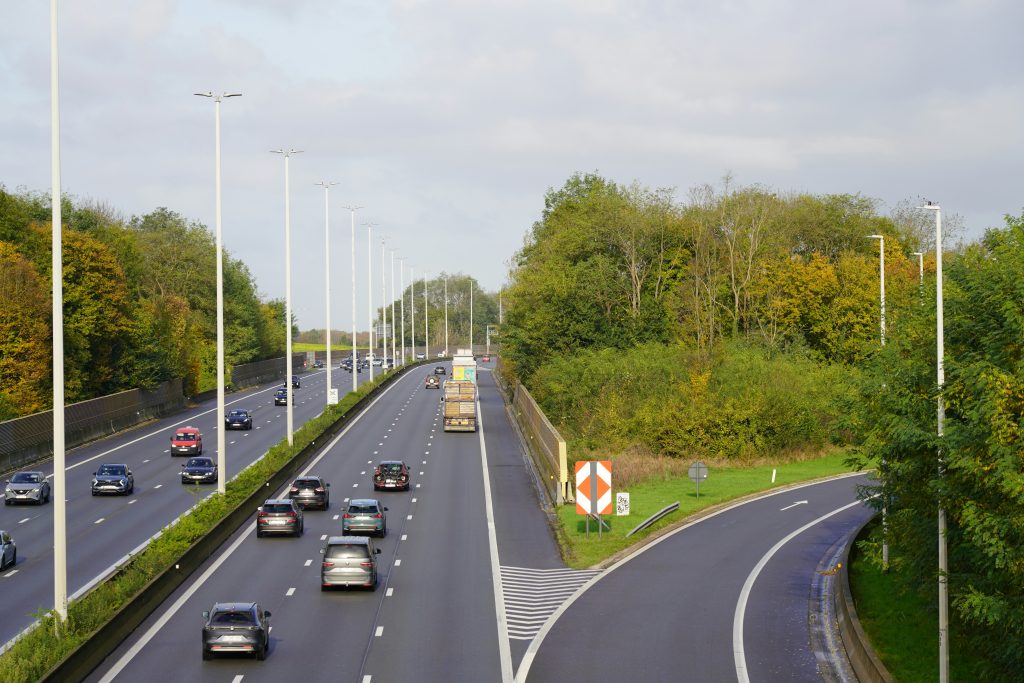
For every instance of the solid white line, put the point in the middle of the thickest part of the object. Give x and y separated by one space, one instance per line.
504 648
134 650
739 656
531 651
366 679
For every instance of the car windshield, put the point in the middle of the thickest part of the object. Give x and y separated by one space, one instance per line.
277 507
199 462
110 470
233 618
393 468
347 551
238 413
184 436
362 509
27 478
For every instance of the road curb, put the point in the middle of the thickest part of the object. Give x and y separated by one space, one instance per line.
866 664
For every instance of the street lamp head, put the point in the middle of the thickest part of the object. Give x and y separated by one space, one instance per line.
324 183
203 94
917 253
232 94
288 153
876 237
930 206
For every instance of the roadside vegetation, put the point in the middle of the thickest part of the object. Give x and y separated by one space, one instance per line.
139 303
740 326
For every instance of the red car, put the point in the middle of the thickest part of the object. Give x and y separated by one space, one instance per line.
391 474
187 441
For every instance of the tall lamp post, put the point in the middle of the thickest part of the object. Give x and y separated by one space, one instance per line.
471 316
401 306
426 321
327 280
383 310
412 309
446 315
287 293
221 446
394 354
355 366
881 306
369 294
941 418
60 538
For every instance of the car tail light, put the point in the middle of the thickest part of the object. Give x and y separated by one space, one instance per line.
295 489
378 516
328 564
319 489
291 515
366 564
263 514
347 516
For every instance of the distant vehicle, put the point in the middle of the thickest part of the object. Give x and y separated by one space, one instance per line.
113 478
27 487
421 356
310 491
440 370
391 474
281 398
432 382
485 359
378 362
279 516
364 514
318 364
187 441
199 471
441 354
8 550
296 384
348 561
236 627
238 419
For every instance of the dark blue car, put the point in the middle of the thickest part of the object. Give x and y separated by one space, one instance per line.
199 471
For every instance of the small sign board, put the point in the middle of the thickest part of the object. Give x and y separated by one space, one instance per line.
332 397
698 472
622 504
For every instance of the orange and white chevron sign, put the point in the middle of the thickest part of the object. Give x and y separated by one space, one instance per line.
594 487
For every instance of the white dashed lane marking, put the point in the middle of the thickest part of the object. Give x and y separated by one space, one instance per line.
405 537
308 562
24 520
158 486
398 563
336 516
100 520
380 631
132 502
390 592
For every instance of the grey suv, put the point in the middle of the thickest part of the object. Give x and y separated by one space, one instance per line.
348 562
365 514
279 516
236 627
27 487
113 478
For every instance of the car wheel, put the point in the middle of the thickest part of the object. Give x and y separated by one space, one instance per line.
344 531
6 502
93 493
207 655
261 653
259 534
14 558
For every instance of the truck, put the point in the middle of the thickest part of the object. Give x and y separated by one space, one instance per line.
459 406
464 366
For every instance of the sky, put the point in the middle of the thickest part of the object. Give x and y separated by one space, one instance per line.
449 120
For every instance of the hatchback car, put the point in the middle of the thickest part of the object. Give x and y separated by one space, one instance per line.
187 441
348 561
199 471
440 370
27 487
236 627
279 516
310 491
238 419
8 551
365 514
391 474
281 398
113 478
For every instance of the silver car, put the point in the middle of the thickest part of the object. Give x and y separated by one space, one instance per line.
27 487
348 562
365 514
8 551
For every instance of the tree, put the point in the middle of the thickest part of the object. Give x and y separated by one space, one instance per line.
24 331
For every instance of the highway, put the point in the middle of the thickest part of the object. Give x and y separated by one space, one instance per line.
723 599
104 529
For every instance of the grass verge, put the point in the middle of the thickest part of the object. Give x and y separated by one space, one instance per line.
903 625
646 498
42 648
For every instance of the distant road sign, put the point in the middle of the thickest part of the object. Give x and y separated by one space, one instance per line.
594 487
698 473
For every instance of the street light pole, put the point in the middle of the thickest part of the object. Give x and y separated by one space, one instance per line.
60 494
426 321
287 294
401 285
446 315
881 305
221 446
394 354
327 280
369 294
355 366
471 316
941 415
383 311
412 310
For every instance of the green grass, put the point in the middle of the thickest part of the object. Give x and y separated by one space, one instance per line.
649 497
903 625
303 347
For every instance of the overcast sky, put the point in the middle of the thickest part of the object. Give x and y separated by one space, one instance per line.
449 120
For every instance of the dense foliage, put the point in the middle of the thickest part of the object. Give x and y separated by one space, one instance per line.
139 303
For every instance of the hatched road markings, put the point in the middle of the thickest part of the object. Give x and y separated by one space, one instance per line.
532 595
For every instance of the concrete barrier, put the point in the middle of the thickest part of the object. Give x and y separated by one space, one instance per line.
79 663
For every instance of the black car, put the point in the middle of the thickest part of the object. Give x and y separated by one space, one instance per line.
391 474
281 398
279 516
440 370
310 491
236 627
238 419
318 364
296 384
199 471
114 479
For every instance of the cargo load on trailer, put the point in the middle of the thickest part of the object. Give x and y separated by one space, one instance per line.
459 406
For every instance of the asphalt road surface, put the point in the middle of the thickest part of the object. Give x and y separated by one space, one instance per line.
102 530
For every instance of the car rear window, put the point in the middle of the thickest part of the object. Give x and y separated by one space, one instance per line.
277 507
362 509
184 436
307 483
391 469
232 618
347 551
